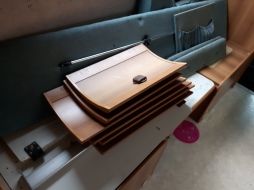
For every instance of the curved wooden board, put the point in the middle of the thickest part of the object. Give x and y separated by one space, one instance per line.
112 87
126 109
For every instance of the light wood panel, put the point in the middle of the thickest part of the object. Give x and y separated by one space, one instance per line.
114 86
240 39
73 117
23 17
82 126
224 73
241 23
135 104
225 68
228 71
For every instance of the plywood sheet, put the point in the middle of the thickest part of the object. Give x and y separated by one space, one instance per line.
81 125
225 68
114 139
241 25
73 117
154 110
132 119
136 103
173 99
114 86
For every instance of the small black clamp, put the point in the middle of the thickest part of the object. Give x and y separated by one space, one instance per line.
64 64
139 79
146 40
34 150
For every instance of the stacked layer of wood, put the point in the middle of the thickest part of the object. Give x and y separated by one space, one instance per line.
105 102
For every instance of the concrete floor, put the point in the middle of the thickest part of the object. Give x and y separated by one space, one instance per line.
222 159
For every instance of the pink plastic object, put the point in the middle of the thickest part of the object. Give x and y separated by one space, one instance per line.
187 132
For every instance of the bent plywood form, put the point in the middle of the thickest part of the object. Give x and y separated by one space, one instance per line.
117 136
81 125
122 111
77 122
170 98
112 87
137 103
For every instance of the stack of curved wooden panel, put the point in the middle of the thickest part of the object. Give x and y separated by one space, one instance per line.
101 104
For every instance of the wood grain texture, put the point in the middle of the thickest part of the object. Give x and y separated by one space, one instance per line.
108 85
228 71
225 68
73 117
152 106
138 177
241 23
81 125
136 103
112 61
114 86
121 134
132 119
111 136
240 39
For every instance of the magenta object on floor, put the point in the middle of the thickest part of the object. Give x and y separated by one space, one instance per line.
187 132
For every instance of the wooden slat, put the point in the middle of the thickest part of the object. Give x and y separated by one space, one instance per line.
241 23
112 87
170 99
228 71
73 117
171 78
153 104
224 69
138 124
131 106
93 69
82 126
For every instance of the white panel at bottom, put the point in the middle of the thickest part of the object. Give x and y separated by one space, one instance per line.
91 170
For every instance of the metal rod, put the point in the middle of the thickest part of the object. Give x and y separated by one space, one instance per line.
146 41
105 53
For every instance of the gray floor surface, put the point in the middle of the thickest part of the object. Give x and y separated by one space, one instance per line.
222 159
